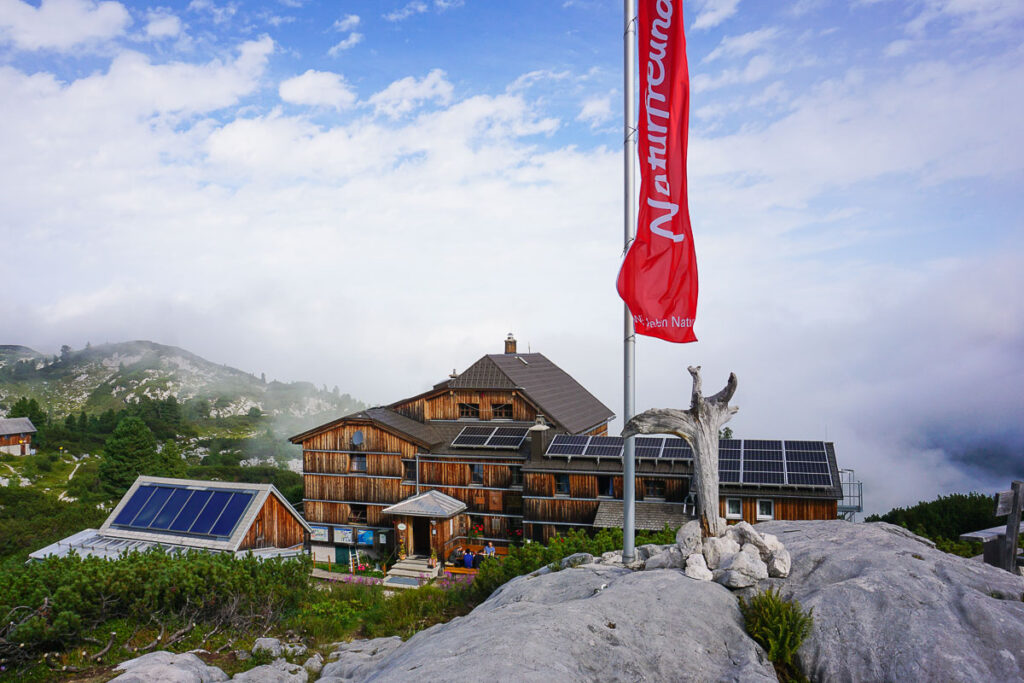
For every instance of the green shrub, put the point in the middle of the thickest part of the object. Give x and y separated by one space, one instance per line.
779 626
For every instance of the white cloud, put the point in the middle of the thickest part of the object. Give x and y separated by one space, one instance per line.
758 68
318 89
597 110
219 13
61 24
405 95
443 5
978 16
711 13
346 23
162 25
737 46
532 77
411 9
351 41
897 48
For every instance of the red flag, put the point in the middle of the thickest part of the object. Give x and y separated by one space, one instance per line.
658 278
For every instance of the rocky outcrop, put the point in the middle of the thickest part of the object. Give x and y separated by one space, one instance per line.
592 623
280 671
169 667
888 606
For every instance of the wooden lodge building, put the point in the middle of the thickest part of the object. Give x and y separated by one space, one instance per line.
513 448
16 435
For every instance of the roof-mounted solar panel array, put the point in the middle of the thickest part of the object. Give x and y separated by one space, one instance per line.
750 461
648 448
184 510
490 437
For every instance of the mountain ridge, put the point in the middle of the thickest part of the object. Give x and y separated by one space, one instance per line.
112 375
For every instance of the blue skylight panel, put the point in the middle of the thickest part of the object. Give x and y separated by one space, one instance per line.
152 507
208 517
190 511
171 509
231 514
134 504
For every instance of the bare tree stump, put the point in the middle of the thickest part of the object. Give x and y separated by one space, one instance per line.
699 426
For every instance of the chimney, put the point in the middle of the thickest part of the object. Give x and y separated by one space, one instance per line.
510 343
540 438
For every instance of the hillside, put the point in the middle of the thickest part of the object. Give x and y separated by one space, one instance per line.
109 376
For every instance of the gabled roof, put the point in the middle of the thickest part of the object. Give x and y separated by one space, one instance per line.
427 504
555 393
16 425
384 417
169 538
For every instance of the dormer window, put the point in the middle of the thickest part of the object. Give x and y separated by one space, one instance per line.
469 411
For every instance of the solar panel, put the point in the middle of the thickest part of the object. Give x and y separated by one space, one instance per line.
152 507
507 437
231 514
208 517
735 444
134 504
810 479
749 455
805 446
677 449
604 446
567 444
763 477
190 511
760 444
171 509
762 466
807 467
729 476
473 436
647 447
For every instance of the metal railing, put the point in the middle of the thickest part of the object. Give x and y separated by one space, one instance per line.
853 496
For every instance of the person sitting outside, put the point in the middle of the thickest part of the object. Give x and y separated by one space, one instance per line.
489 549
467 559
477 558
455 558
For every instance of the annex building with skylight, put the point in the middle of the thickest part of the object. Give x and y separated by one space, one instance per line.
186 514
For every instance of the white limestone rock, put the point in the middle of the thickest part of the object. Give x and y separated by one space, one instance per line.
743 533
647 550
356 660
169 667
293 650
280 671
697 568
269 645
888 607
669 558
779 564
716 549
742 569
611 557
561 627
688 538
314 665
576 559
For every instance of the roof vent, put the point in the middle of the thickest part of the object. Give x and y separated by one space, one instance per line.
510 343
454 374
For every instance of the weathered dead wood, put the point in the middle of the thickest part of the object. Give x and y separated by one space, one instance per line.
699 426
99 655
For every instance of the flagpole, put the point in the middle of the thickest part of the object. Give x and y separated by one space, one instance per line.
629 223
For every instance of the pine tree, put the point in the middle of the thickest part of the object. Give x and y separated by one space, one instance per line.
129 452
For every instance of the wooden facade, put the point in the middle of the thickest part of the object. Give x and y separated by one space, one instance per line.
357 466
783 508
274 527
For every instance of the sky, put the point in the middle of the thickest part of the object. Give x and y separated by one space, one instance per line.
372 194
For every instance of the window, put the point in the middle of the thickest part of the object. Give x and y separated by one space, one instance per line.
409 470
765 508
356 463
733 508
501 411
357 514
515 476
469 411
654 488
605 487
562 484
476 474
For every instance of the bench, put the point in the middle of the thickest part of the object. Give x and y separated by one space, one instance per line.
459 570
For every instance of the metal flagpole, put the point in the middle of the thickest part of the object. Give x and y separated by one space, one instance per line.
629 221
